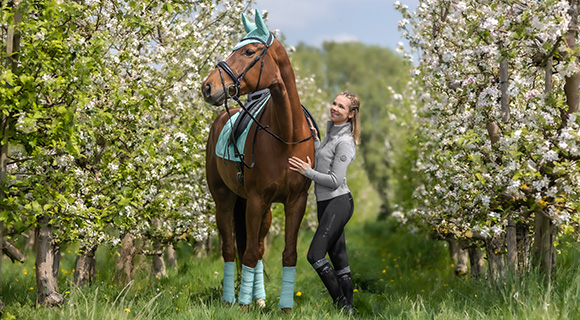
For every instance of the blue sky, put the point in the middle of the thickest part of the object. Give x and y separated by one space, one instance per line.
372 22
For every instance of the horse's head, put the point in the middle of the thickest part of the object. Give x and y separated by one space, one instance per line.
251 66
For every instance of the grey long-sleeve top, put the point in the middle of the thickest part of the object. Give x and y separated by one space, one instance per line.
333 157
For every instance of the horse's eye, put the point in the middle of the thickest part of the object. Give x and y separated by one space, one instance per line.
249 52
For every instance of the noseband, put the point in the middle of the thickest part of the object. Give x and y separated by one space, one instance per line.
222 65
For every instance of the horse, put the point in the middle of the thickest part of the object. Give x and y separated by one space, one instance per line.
281 130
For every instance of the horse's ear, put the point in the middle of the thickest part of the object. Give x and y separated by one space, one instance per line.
261 25
248 25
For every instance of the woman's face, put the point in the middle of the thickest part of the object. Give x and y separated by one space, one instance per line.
340 110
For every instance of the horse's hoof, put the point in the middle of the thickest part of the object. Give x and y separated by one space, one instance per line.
261 303
245 307
287 310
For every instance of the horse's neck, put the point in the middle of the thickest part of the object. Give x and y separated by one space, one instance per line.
287 111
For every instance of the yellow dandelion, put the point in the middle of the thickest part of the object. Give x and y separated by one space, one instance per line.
396 266
127 310
384 270
176 309
355 290
382 279
328 314
31 288
298 294
66 292
476 296
25 272
422 290
392 280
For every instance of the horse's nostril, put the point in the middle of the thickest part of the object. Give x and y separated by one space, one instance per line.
207 90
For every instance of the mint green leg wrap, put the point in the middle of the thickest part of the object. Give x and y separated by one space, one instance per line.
229 294
247 285
287 291
259 291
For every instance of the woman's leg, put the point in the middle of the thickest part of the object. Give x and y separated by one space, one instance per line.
332 218
339 258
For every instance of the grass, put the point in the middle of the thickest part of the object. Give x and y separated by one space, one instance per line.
397 276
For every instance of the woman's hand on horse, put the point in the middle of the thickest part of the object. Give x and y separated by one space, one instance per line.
313 129
298 165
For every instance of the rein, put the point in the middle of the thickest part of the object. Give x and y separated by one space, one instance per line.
222 65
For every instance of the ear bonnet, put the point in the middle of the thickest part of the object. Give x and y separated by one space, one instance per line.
256 32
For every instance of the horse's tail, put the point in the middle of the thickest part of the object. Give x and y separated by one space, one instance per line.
240 228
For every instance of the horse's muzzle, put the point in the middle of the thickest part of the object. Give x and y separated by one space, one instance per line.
211 95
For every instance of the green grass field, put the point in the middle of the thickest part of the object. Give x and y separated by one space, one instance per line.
397 276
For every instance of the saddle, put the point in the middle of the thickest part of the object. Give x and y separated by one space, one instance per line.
255 101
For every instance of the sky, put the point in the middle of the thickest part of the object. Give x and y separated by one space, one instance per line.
373 22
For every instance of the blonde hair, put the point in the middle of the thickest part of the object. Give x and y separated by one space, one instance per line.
354 121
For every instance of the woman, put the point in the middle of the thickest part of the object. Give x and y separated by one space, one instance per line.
334 201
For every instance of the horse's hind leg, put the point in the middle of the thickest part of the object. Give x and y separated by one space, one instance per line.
259 290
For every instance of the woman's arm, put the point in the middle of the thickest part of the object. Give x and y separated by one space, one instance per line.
343 156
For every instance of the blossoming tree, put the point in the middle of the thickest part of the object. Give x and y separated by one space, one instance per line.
499 137
103 129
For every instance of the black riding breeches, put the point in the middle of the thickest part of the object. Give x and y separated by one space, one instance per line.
333 215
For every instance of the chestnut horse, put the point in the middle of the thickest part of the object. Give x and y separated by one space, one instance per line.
258 61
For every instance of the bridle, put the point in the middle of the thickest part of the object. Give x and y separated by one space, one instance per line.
222 65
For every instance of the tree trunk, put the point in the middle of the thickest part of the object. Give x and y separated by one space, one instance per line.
459 256
56 252
200 249
159 270
171 257
125 267
544 250
512 246
495 259
572 83
524 245
29 244
476 262
86 266
46 282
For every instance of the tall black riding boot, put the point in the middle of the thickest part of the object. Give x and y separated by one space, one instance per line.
328 276
345 282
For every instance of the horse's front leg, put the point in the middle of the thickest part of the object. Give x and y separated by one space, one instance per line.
224 218
252 267
294 213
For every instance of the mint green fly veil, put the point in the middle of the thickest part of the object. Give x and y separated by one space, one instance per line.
255 32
